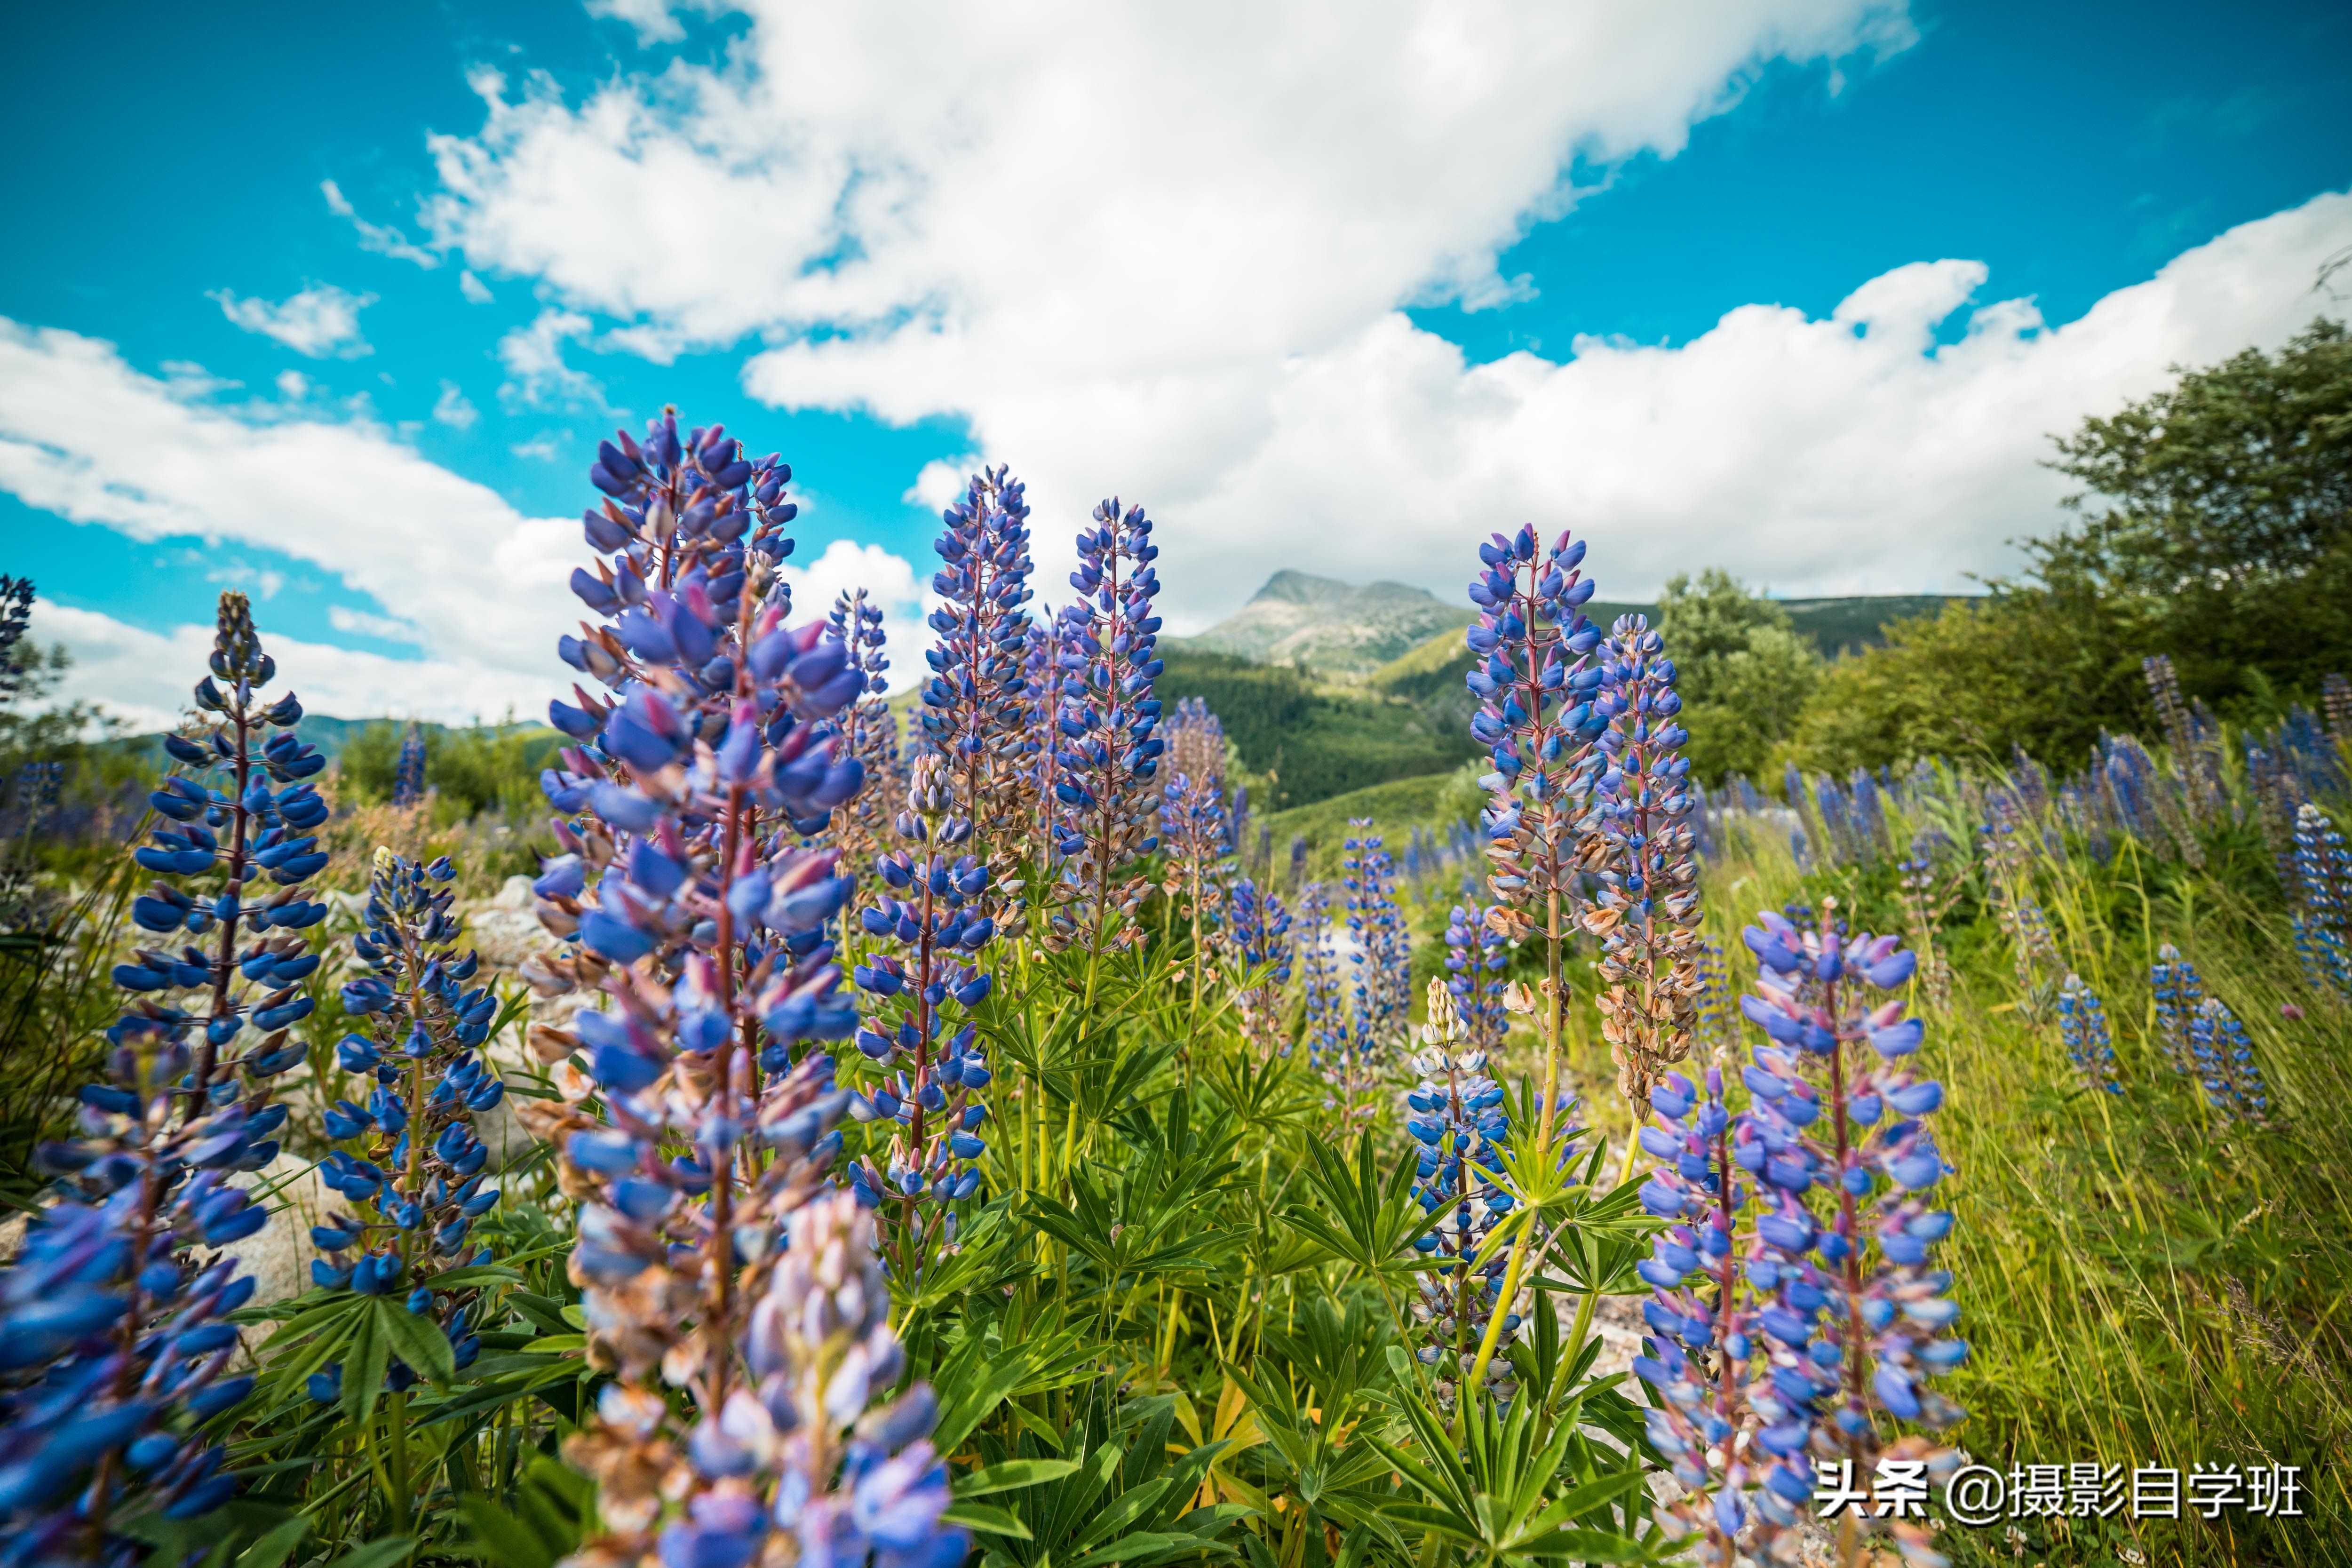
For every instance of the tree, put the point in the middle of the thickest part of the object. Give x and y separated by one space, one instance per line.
1743 670
1979 678
2226 541
2223 542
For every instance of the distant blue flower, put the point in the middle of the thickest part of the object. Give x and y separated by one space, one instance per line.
1258 930
1644 907
1107 753
931 909
1476 954
1459 1122
2083 1029
976 705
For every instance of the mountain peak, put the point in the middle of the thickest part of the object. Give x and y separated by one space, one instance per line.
1337 629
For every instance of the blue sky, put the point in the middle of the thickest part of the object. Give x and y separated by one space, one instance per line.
1410 379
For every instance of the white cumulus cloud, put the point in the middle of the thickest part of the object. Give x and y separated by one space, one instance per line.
890 586
84 435
538 376
480 589
1164 252
321 319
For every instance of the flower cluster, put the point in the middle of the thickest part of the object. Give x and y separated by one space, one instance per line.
694 904
115 1332
1706 1346
1351 1045
268 834
115 1342
859 824
1459 1124
1713 1002
2222 1057
932 909
2082 1030
1325 1014
420 1166
1257 932
1638 847
408 769
1196 742
1476 954
1107 754
2177 990
1535 687
790 1464
976 702
1859 1313
1197 836
2322 894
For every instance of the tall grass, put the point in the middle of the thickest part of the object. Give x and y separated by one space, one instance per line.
2145 1281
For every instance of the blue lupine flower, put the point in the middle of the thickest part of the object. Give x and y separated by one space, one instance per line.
1813 992
1644 907
976 705
1196 834
1326 1019
114 1337
1535 687
238 831
2083 1029
2178 990
408 769
1476 954
1105 755
1257 928
809 1454
1380 967
932 909
2222 1056
2322 891
1459 1122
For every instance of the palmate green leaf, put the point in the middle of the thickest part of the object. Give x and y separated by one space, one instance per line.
1371 1223
981 1374
1151 1543
1011 1476
417 1340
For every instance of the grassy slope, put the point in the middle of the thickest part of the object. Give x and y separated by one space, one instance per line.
2143 1280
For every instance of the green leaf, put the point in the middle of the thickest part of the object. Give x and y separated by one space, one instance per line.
1131 1507
377 1553
418 1340
503 1538
1013 1475
278 1545
364 1367
994 1521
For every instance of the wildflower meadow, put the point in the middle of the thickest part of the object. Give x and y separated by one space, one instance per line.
954 1130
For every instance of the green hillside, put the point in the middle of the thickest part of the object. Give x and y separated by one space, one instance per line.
1315 740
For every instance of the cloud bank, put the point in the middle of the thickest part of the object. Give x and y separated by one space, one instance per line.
479 588
1165 254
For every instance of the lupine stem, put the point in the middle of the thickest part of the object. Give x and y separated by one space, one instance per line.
225 962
